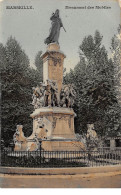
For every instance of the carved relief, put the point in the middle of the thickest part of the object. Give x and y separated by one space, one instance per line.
56 60
69 121
54 122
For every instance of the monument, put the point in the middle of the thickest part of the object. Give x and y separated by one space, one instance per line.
53 117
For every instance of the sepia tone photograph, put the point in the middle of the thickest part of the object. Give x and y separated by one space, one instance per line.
60 94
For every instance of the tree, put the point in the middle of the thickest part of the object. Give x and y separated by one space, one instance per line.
93 77
39 65
17 80
3 63
115 51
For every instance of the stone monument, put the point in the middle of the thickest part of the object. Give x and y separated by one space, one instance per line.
53 117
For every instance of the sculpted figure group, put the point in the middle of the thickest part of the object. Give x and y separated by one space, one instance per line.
47 95
67 96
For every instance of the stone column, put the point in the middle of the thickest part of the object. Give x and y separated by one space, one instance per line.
53 60
112 144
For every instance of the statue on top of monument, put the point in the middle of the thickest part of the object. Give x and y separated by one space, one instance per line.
55 28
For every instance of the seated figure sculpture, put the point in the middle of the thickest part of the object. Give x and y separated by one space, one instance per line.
19 138
21 142
91 131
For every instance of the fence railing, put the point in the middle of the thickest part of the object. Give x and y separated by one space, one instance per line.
60 158
109 149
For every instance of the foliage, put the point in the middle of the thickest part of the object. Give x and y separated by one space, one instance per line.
115 51
17 80
94 80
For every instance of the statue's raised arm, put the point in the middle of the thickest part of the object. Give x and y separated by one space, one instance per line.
55 28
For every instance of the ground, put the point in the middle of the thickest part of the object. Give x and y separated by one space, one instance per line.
92 180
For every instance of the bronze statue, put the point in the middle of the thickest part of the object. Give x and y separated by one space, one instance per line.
47 94
54 94
51 94
55 28
67 96
38 96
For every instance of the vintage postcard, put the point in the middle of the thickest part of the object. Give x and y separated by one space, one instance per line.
60 94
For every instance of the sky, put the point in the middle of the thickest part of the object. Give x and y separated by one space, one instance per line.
31 27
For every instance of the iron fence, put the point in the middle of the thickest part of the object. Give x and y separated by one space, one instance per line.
60 158
109 149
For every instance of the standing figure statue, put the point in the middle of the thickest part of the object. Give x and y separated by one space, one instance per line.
51 94
54 94
38 96
72 95
67 96
55 28
47 94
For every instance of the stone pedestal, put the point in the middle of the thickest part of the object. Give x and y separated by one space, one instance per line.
60 123
53 60
62 145
112 144
56 128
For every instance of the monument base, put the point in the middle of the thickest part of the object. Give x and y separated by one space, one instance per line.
62 145
53 123
54 128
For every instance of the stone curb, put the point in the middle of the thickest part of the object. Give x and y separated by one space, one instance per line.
59 171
